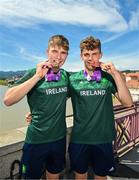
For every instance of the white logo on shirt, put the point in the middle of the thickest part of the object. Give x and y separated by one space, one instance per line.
92 92
56 90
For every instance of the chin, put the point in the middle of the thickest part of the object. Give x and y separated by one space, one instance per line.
90 68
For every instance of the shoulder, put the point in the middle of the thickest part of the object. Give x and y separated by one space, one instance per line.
107 76
76 75
65 73
31 71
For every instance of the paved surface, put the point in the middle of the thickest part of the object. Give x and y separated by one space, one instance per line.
128 166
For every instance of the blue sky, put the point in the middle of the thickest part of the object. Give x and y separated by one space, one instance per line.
26 25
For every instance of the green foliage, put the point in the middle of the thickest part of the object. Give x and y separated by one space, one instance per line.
3 82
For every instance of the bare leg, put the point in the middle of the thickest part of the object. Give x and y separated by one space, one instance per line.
51 176
100 177
79 176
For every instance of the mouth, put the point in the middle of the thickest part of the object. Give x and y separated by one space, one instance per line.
95 64
55 67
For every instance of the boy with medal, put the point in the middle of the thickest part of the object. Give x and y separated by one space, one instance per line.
46 87
94 127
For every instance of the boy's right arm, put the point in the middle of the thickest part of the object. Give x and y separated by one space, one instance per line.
15 94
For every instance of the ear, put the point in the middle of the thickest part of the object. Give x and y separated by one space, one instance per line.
81 56
47 52
101 54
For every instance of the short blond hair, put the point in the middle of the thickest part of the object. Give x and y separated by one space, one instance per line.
59 40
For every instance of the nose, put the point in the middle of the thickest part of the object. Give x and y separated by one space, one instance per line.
90 57
58 57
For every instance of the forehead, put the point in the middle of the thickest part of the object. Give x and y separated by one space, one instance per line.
90 51
56 47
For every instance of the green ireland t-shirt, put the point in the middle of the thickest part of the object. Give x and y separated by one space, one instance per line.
47 102
93 109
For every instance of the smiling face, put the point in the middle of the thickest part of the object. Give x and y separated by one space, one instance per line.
57 51
57 56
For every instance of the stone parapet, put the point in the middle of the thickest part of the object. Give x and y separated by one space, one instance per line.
11 143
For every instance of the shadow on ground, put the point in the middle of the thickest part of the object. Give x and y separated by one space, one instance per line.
125 171
122 171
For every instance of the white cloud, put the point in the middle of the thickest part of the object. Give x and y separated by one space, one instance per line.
113 37
123 62
97 13
30 57
134 21
73 66
5 54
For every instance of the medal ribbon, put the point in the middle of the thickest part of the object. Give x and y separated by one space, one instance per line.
97 75
52 76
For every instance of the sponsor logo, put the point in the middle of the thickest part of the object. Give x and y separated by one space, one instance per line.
111 169
23 168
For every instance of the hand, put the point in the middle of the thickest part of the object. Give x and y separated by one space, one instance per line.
28 117
42 69
109 67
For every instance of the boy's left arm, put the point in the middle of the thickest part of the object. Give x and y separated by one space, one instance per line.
122 94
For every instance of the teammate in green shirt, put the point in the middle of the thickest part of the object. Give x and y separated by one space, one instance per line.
46 88
94 127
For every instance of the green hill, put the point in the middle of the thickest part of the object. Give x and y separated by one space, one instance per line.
10 74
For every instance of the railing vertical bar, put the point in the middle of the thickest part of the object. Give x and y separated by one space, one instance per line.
127 126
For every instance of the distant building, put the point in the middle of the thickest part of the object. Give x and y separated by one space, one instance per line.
12 80
132 81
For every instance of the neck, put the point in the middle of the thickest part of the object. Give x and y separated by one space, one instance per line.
55 70
90 72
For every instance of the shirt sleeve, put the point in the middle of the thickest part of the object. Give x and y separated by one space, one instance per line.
68 76
26 76
113 85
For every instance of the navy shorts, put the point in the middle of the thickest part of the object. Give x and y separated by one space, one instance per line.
39 157
100 157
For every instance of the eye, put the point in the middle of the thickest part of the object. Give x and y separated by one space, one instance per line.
86 54
96 54
54 51
64 53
